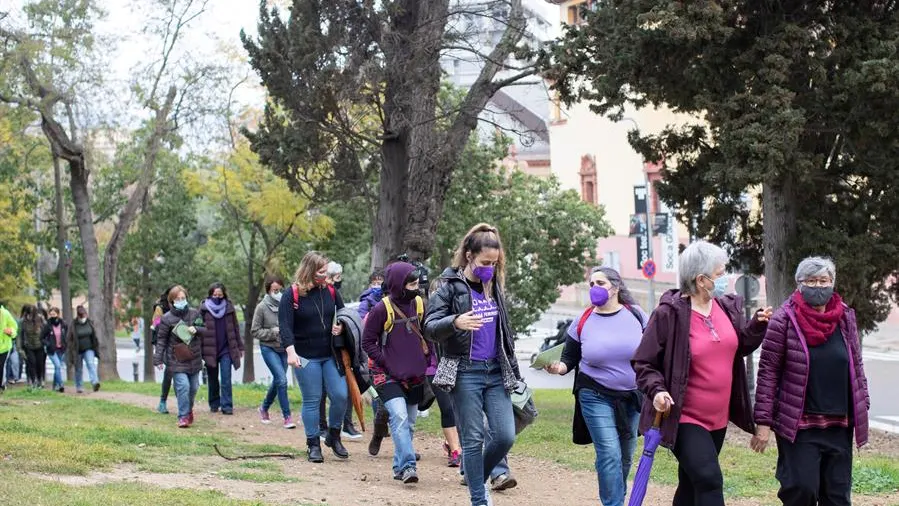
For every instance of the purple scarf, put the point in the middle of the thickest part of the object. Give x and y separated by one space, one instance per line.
217 310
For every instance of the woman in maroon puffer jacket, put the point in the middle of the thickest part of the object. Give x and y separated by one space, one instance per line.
812 390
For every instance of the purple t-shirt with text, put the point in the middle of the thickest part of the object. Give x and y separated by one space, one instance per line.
608 343
483 341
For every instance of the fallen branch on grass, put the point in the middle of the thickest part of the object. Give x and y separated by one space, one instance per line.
248 457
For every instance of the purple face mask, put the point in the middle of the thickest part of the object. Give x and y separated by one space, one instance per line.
599 296
483 272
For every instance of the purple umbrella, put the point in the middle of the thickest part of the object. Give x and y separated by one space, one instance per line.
651 441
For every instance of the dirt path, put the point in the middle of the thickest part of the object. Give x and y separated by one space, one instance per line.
365 480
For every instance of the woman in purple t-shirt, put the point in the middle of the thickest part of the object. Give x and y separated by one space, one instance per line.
468 317
599 348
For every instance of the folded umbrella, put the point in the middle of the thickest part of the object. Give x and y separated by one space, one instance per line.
353 388
651 441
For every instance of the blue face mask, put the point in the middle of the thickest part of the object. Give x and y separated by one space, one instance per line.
721 285
180 304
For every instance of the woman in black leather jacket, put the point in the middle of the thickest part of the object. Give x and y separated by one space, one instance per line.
467 316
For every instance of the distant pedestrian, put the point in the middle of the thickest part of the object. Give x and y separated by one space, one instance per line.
468 318
32 345
8 329
222 347
179 349
306 318
607 401
84 349
137 332
13 369
373 294
265 330
690 363
812 391
159 309
54 338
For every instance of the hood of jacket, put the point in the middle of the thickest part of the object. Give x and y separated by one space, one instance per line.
395 279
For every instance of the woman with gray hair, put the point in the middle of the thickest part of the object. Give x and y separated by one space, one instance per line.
690 365
599 348
812 390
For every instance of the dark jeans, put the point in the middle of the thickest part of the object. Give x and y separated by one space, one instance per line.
35 365
479 391
166 384
700 482
816 469
220 385
3 357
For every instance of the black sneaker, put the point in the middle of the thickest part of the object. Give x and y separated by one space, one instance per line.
227 411
410 476
350 432
96 387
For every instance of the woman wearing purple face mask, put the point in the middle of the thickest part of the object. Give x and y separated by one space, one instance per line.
607 402
468 317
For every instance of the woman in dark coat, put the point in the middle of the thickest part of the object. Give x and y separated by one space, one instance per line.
690 364
812 391
181 352
222 347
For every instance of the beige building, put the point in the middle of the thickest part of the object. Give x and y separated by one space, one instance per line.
591 154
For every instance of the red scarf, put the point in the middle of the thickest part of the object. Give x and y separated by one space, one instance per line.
815 325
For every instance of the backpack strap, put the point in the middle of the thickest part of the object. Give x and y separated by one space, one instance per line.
637 315
296 295
583 320
391 316
420 308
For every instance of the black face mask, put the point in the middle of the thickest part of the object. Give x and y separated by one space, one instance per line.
338 284
816 296
408 295
54 321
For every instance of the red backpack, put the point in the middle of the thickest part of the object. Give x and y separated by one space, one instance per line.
589 310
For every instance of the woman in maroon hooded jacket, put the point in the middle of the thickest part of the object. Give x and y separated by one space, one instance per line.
812 390
690 364
399 362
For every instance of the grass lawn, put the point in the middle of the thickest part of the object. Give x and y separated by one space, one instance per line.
43 432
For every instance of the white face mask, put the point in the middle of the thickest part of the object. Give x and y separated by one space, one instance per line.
82 320
277 296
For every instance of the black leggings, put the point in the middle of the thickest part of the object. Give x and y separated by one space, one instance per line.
445 403
35 365
700 482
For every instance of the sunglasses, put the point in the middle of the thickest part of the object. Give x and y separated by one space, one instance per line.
711 326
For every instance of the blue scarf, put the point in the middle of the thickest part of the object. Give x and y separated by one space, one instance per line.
217 310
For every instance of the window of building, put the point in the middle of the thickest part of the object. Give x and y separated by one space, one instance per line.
588 179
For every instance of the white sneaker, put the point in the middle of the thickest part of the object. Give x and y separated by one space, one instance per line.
424 414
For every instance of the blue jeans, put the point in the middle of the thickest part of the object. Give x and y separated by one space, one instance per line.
277 364
310 378
614 451
402 429
88 357
220 385
501 468
13 370
57 358
186 386
479 391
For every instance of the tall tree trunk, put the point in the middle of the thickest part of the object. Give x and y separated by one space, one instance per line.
62 268
390 221
249 366
779 203
98 307
146 313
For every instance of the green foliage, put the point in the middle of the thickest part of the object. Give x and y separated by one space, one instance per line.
797 99
549 234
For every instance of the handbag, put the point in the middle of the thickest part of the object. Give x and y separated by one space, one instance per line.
182 352
524 409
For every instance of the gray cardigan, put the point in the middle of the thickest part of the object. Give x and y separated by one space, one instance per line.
265 324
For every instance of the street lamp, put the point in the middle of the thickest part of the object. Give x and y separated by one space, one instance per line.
649 225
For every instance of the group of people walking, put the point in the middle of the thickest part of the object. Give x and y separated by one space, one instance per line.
686 360
36 336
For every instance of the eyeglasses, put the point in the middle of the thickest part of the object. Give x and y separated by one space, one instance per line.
708 323
821 282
